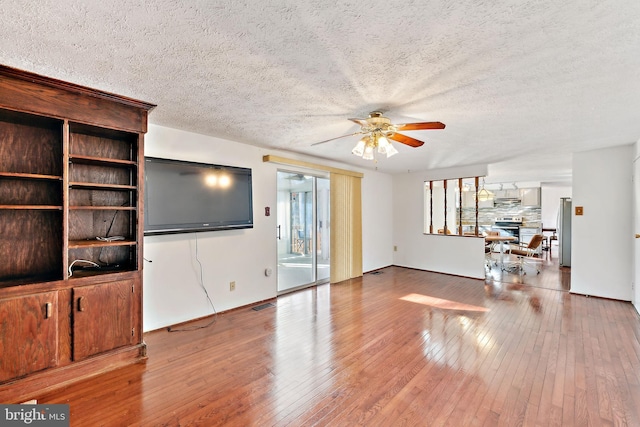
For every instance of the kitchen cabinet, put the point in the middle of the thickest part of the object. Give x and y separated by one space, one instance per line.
507 194
71 204
468 199
530 197
486 204
470 202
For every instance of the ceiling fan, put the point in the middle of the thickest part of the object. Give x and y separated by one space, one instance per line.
378 130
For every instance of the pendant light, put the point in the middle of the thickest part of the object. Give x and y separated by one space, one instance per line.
483 194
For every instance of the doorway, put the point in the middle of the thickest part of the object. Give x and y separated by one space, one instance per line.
303 236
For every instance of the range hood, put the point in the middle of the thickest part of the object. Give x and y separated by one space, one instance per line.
507 201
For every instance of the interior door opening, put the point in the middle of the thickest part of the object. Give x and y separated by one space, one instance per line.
303 237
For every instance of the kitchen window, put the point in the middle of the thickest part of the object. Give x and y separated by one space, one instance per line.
465 207
451 207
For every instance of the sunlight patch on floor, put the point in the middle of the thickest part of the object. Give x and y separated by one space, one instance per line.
442 303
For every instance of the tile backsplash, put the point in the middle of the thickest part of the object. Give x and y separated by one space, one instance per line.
531 216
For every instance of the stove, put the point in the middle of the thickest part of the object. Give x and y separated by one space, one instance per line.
508 226
509 219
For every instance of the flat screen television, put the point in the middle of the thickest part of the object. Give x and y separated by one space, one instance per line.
185 197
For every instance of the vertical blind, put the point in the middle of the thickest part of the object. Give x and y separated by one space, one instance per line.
346 227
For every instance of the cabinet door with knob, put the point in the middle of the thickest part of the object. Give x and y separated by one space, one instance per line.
28 334
102 317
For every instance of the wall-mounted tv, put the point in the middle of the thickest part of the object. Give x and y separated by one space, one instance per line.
184 197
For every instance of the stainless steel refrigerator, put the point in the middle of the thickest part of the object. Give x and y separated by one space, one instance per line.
564 232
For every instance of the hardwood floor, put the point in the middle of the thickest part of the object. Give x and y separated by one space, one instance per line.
551 275
402 347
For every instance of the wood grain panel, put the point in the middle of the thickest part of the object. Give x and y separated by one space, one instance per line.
28 338
300 163
121 255
100 198
102 318
100 174
30 245
64 326
30 144
30 192
37 94
88 224
102 143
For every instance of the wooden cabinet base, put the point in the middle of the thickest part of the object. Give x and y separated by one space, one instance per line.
24 389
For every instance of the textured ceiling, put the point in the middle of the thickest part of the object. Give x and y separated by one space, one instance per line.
520 85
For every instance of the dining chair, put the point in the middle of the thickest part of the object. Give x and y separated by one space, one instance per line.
525 255
489 249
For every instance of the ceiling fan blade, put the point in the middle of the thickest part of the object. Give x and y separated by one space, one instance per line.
420 126
360 122
404 139
343 136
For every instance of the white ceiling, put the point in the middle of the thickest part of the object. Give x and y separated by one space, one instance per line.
520 85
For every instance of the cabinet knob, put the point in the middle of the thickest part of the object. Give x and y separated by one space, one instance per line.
81 304
48 309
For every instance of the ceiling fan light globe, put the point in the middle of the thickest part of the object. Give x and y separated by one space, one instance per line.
358 150
368 153
391 150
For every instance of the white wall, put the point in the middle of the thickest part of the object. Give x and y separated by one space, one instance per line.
172 292
461 256
602 239
377 221
550 203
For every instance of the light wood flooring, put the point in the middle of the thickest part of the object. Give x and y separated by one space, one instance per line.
402 347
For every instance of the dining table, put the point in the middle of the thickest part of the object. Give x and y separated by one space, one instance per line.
501 240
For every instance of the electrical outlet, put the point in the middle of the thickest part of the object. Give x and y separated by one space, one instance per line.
232 286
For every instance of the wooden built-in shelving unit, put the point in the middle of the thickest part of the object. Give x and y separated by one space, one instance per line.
71 209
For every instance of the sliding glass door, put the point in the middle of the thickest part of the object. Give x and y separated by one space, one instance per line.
303 230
